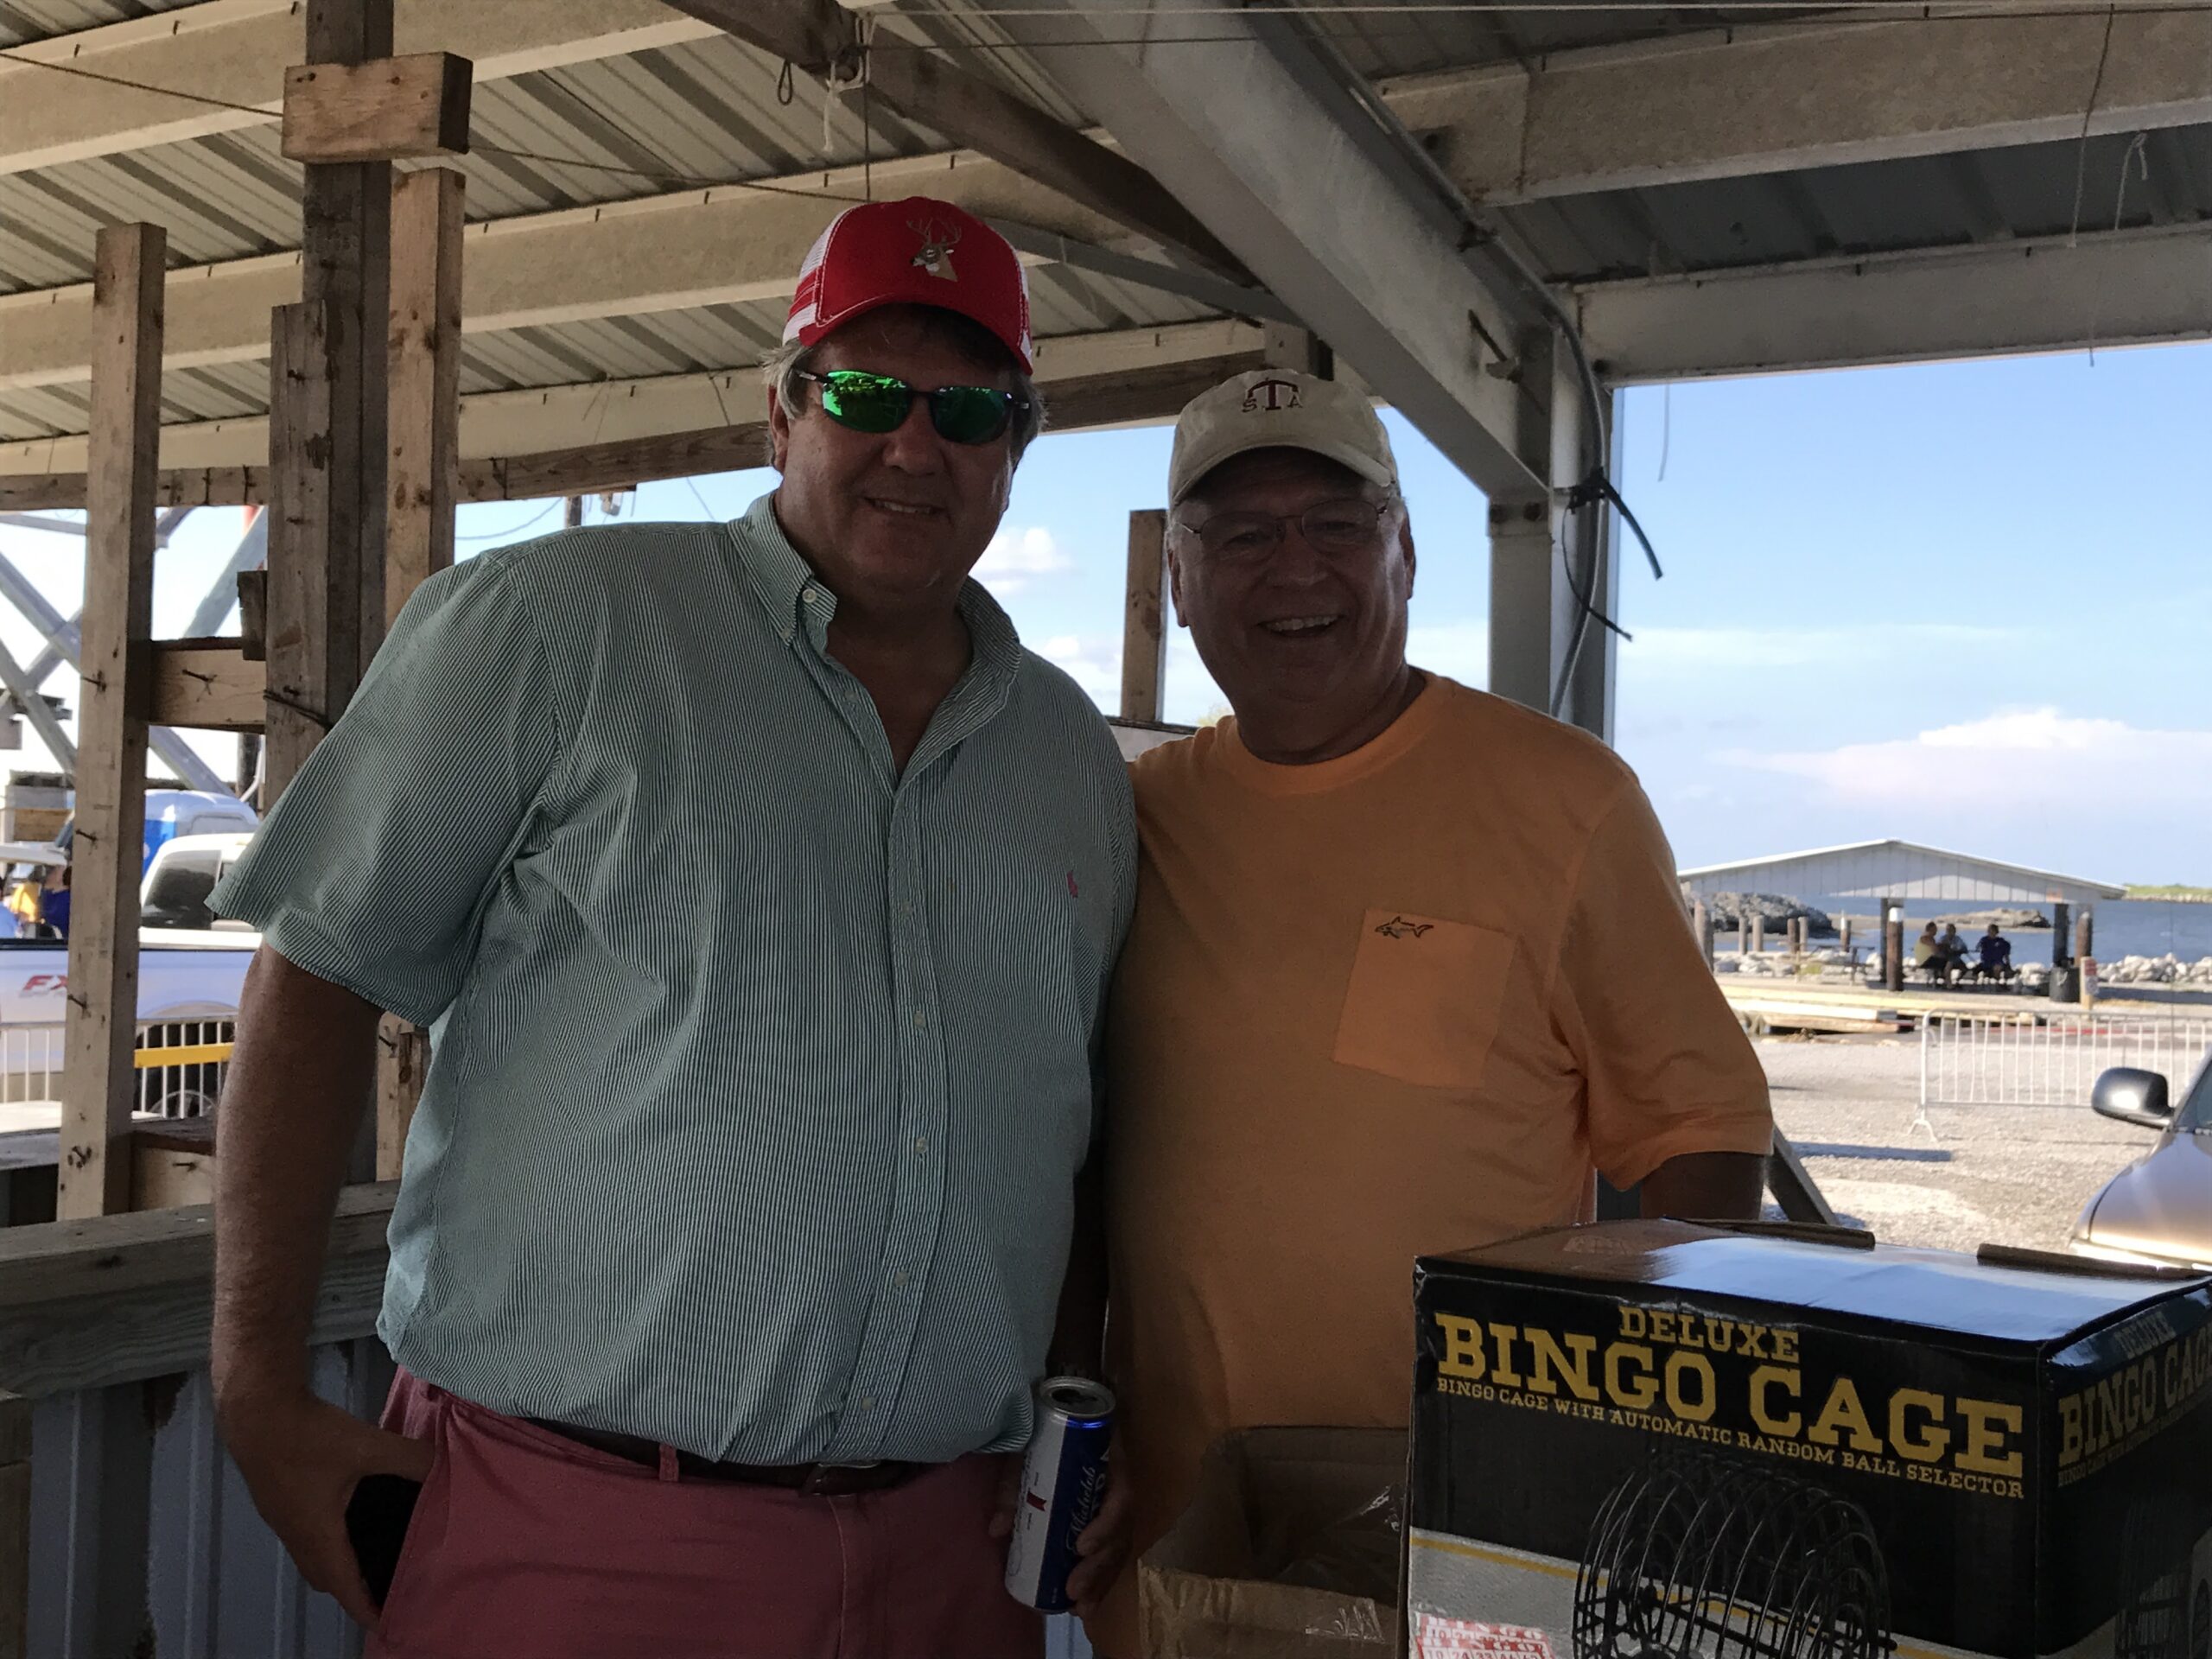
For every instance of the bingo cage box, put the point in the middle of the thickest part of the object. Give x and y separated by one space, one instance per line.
1653 1438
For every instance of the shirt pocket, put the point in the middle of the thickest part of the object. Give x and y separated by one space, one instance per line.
1423 1003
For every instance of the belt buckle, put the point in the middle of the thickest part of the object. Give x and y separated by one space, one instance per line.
816 1484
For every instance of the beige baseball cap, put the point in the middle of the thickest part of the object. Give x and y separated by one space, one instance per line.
1278 408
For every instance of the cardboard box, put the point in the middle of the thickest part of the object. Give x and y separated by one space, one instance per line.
1649 1439
1291 1548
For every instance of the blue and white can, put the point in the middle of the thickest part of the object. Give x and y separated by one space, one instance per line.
1063 1484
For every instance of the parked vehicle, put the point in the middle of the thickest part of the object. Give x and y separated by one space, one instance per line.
191 971
2159 1210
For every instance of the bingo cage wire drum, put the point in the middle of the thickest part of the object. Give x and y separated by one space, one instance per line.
1695 1557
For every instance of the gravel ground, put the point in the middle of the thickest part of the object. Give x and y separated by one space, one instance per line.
2004 1174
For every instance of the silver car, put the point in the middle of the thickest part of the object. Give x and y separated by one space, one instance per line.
2159 1210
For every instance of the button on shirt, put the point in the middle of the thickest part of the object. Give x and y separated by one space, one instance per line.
762 1072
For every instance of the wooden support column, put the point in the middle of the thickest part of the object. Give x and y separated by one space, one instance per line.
302 682
1144 621
1843 928
425 469
328 426
423 452
1701 926
1758 936
1892 945
94 1170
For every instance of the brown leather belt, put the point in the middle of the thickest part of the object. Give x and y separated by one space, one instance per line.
816 1479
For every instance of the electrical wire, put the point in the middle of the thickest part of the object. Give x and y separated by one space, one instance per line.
550 508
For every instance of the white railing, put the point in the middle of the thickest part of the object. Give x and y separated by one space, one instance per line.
190 1060
1968 1059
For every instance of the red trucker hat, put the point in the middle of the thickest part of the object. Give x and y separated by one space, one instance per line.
912 252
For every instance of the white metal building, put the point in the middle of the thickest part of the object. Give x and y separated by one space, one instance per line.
1896 869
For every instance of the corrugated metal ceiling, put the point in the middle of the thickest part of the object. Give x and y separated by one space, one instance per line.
718 337
39 20
711 111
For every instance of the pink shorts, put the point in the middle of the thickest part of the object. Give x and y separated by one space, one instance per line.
527 1544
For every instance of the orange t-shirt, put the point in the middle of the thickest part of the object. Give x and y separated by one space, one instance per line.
1395 1004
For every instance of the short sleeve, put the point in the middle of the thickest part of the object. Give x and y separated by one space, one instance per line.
377 861
1668 1070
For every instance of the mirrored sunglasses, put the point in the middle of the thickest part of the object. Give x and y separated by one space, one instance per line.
879 403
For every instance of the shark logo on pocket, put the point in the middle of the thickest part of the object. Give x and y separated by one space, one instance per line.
1399 928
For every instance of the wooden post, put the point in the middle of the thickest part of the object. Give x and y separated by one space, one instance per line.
1701 925
108 854
1742 935
572 513
346 260
1758 936
2085 935
424 451
1892 945
1144 623
424 463
2060 927
300 587
1843 927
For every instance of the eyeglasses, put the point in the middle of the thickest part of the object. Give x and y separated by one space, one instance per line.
879 403
1329 527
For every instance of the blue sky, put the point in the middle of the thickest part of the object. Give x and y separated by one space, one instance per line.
1968 604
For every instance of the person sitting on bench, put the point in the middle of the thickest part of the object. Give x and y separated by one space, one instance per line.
1996 955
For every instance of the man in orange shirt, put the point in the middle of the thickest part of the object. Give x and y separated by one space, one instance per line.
1409 965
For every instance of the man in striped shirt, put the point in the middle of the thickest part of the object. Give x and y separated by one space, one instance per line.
734 1231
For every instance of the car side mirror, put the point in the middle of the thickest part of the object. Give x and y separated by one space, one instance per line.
2129 1096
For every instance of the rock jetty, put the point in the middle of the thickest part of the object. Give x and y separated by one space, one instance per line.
1777 911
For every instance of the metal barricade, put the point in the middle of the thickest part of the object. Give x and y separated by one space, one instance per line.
181 1064
1968 1059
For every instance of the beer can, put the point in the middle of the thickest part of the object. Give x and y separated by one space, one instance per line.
1063 1484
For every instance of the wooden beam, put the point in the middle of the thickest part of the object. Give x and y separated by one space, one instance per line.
235 52
346 268
89 1304
194 486
1156 390
378 110
423 450
94 1171
423 470
1144 627
300 683
205 685
814 34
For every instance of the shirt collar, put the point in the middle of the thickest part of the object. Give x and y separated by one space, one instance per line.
787 586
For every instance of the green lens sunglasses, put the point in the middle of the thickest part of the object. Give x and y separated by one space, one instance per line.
879 403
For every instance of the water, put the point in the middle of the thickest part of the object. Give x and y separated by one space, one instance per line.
2125 927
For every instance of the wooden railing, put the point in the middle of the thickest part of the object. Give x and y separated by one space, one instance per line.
108 1465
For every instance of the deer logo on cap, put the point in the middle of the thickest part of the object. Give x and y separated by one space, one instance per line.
937 242
1272 395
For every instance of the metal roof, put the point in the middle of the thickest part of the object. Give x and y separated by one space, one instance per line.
1991 195
711 111
1895 869
22 20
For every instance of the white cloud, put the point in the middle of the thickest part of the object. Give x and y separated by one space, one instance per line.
1094 664
1015 558
2011 762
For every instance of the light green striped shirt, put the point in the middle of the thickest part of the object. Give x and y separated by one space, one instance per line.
762 1074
